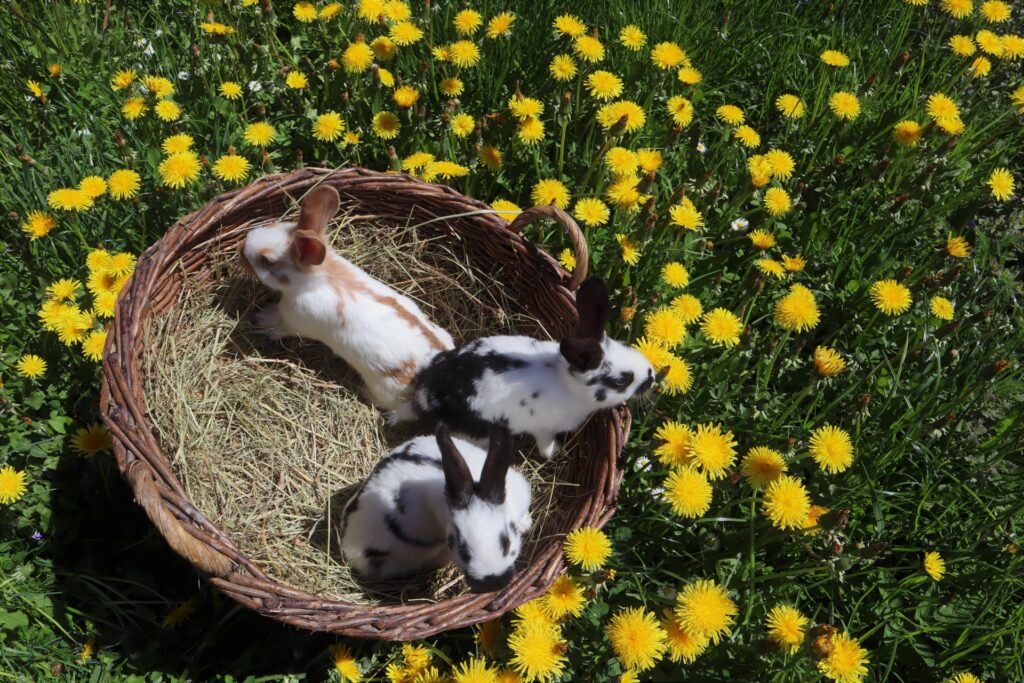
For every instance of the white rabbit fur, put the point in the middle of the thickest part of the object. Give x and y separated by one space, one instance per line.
435 500
382 334
541 388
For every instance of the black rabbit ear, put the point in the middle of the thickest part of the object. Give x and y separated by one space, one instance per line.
593 308
499 459
583 355
458 480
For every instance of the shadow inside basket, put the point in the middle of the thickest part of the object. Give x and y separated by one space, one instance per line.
270 439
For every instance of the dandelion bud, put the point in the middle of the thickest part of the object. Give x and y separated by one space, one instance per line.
870 82
627 313
604 575
708 245
265 159
561 648
344 97
422 68
566 98
195 50
27 160
725 19
837 548
881 167
18 148
392 157
903 59
906 271
204 160
944 332
865 399
840 159
261 110
1000 365
334 65
900 198
943 421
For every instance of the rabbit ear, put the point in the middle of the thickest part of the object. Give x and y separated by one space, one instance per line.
318 208
499 459
307 248
458 480
583 354
593 308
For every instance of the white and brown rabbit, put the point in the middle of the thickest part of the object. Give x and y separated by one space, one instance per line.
435 500
382 334
541 388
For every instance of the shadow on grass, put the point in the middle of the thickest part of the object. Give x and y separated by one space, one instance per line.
146 604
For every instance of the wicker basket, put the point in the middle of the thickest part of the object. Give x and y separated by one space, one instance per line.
538 283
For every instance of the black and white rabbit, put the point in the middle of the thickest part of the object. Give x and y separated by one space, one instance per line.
541 388
435 500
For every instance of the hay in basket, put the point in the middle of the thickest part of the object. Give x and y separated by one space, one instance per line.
243 450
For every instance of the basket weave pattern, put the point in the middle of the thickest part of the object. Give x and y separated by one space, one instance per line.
537 282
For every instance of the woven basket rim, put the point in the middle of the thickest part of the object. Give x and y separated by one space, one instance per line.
153 289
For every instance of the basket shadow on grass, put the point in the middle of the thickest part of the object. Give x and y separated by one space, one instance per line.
270 438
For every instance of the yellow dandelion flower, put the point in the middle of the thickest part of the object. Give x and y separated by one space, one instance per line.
567 260
995 11
568 25
98 260
980 67
681 110
688 308
648 159
835 58
67 199
564 598
38 224
907 133
689 75
523 108
328 127
167 110
674 274
844 105
964 677
678 379
452 87
259 134
384 49
686 215
793 263
500 25
621 161
637 638
474 670
34 88
664 325
654 351
630 250
780 163
604 85
230 90
12 485
179 169
231 168
467 22
1001 183
345 662
31 366
786 627
790 106
329 11
934 565
940 106
810 524
828 362
550 191
688 492
683 645
962 45
632 38
158 86
668 55
713 450
588 48
296 80
172 144
771 267
762 239
611 114
762 465
122 79
405 96
831 448
730 114
405 33
506 209
675 450
64 289
786 502
957 247
538 651
704 608
93 186
444 169
591 211
1013 47
890 297
797 311
941 308
491 157
777 201
462 125
587 548
464 53
846 660
357 57
562 67
989 42
747 136
722 327
92 345
386 125
304 12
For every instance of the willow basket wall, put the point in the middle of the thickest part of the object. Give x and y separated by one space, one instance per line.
532 277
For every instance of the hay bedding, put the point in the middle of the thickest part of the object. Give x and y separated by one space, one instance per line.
271 438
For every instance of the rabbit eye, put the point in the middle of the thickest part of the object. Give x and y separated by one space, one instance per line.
264 261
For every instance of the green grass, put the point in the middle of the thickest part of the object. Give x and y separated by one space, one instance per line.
934 414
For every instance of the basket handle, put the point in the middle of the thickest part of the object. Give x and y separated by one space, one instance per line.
183 543
572 229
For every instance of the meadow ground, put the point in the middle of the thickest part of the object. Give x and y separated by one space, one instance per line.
806 212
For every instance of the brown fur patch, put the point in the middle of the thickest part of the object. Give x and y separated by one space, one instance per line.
405 373
244 260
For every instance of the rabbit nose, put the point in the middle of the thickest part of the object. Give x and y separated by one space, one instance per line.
489 583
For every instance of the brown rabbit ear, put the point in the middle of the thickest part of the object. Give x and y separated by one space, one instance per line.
458 480
307 249
318 208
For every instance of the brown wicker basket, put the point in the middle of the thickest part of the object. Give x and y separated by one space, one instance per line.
542 288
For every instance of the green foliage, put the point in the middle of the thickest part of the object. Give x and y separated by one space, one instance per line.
934 410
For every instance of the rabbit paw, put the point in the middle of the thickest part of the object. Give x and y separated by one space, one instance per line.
269 319
546 445
403 413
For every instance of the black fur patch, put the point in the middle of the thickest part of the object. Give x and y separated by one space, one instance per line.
404 455
375 552
505 542
600 395
399 500
451 381
395 528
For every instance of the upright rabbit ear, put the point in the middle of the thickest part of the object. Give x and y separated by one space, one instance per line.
499 459
307 248
458 480
318 208
593 308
